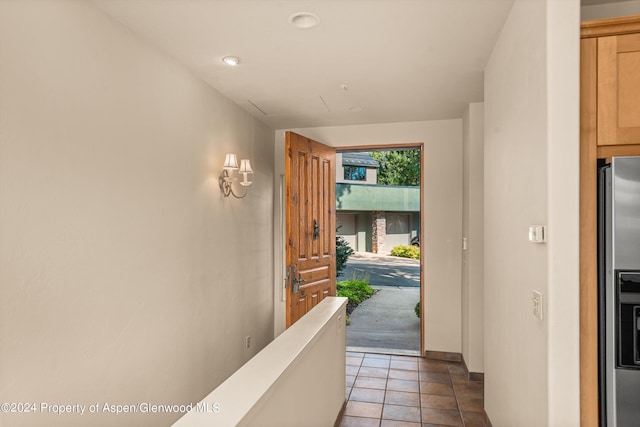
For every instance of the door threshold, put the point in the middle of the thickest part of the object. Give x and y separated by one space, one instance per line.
391 351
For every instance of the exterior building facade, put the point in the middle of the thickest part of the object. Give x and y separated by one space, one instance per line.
371 217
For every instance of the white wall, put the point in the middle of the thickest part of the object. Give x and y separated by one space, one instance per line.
563 166
125 277
473 231
531 170
610 10
516 196
442 234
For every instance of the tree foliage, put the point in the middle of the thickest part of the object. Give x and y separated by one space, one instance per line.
398 167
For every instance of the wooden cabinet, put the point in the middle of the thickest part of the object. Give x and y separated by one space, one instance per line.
618 89
609 126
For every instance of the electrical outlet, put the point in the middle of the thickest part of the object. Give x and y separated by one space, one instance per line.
537 304
247 342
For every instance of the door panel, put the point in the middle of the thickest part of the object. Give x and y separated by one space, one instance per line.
311 262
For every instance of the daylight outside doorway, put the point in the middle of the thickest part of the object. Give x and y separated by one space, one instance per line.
378 204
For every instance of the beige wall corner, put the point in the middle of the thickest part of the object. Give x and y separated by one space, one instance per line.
531 161
515 190
563 204
473 238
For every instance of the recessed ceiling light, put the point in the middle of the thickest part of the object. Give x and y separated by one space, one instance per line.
231 60
355 109
304 20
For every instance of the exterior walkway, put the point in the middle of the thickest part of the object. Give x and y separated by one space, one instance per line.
405 391
387 320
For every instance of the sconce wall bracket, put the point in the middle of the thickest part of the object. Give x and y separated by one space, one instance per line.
226 185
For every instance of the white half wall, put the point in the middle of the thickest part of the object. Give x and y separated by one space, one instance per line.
473 232
125 276
442 234
531 177
273 388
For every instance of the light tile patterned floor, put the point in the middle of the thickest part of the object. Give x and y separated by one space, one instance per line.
405 391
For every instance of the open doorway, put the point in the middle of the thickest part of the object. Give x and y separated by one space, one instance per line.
441 209
378 218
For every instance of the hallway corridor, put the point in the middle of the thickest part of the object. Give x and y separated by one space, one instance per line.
405 391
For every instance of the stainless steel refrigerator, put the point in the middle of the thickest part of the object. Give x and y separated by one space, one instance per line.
619 292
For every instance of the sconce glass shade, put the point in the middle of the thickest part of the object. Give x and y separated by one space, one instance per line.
245 169
245 166
230 162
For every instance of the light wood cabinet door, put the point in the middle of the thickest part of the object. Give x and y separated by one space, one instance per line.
619 90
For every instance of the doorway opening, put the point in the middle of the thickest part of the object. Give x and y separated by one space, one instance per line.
379 213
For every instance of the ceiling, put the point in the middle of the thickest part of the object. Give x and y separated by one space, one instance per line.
401 60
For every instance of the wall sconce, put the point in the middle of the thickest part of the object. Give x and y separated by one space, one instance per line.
226 180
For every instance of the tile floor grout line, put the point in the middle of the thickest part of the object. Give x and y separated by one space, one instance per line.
420 395
384 397
456 395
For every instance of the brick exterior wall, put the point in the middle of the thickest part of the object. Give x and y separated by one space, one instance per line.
379 234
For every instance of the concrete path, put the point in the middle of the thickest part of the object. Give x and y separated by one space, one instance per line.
386 320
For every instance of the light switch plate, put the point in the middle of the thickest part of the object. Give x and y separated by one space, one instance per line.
537 304
537 233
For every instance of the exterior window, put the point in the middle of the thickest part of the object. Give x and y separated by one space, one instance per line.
398 224
355 173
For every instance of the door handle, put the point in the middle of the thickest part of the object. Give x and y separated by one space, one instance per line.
296 284
316 230
295 280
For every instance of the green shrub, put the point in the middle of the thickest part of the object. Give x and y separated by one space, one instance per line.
343 252
356 290
406 252
417 309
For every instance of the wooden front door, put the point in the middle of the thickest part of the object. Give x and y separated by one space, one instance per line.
311 233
